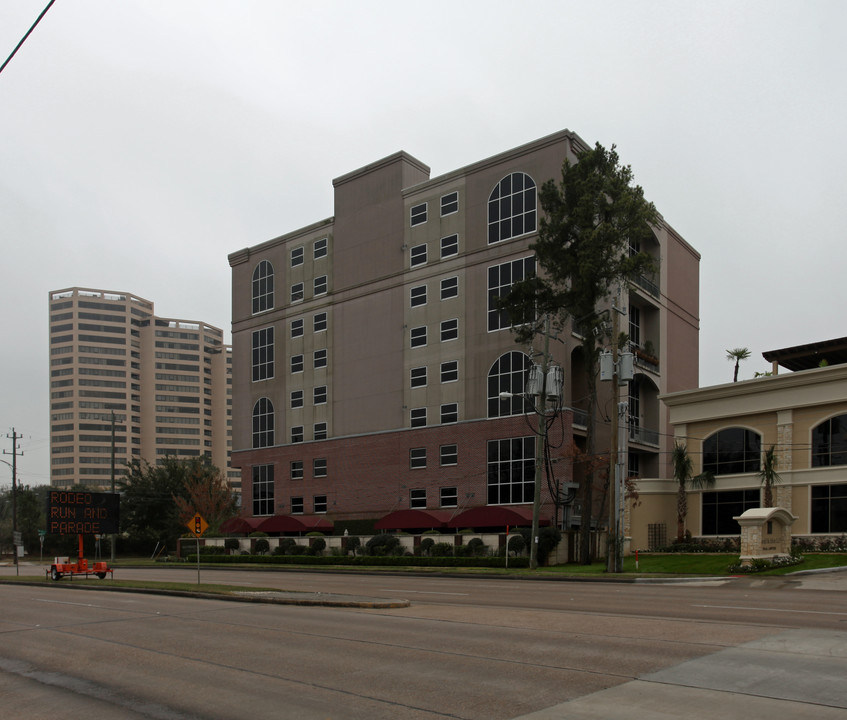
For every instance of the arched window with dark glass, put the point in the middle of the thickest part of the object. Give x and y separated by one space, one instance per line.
263 423
263 287
829 442
508 374
732 451
512 208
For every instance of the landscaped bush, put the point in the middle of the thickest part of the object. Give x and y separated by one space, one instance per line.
318 545
262 546
231 544
364 561
426 546
704 545
383 544
476 547
548 539
516 544
820 544
352 544
213 550
441 549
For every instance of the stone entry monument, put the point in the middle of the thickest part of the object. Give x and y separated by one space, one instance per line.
765 534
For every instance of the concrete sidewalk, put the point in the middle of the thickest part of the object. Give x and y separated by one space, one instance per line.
796 674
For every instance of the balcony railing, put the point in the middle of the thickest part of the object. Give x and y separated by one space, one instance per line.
648 285
643 436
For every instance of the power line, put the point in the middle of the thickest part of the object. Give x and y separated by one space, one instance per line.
28 32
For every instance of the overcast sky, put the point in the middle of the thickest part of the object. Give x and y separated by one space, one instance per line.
142 141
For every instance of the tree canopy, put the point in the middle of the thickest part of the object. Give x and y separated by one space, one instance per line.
593 227
157 500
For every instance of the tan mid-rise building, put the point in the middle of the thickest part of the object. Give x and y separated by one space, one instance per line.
369 356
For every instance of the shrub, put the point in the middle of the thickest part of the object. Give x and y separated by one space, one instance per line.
548 539
213 550
258 534
426 546
476 547
318 545
232 544
352 544
441 549
383 544
262 546
516 544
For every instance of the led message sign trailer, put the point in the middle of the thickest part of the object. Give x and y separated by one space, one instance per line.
87 513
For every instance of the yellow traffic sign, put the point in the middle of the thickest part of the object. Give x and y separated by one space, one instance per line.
197 525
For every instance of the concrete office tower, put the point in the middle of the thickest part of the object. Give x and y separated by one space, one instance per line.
162 386
369 357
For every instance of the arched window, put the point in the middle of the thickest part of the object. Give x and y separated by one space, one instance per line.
508 374
263 287
263 423
732 451
829 442
511 208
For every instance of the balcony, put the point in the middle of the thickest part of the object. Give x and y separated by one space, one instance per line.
647 285
643 436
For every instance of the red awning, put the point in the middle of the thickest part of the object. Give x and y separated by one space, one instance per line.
239 525
496 516
290 523
414 520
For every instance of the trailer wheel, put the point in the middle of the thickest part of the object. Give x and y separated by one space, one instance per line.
55 574
101 575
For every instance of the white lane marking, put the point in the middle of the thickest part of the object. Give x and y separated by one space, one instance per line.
421 592
766 609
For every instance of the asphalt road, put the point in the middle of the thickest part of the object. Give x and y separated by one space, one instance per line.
486 649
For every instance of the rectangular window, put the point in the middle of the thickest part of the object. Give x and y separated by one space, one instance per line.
449 203
263 490
449 288
296 256
319 359
297 434
296 363
320 248
829 508
319 395
417 417
296 292
263 354
320 285
500 280
417 458
449 246
418 336
417 215
720 507
417 296
319 467
297 328
449 413
319 322
450 371
449 455
296 469
296 399
320 431
296 506
417 498
511 470
449 329
449 497
319 503
417 255
418 377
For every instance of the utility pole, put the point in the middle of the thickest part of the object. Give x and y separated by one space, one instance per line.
14 438
540 447
112 538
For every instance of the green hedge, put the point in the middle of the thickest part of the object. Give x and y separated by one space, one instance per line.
362 561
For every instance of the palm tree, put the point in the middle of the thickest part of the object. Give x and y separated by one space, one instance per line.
683 470
768 474
737 354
